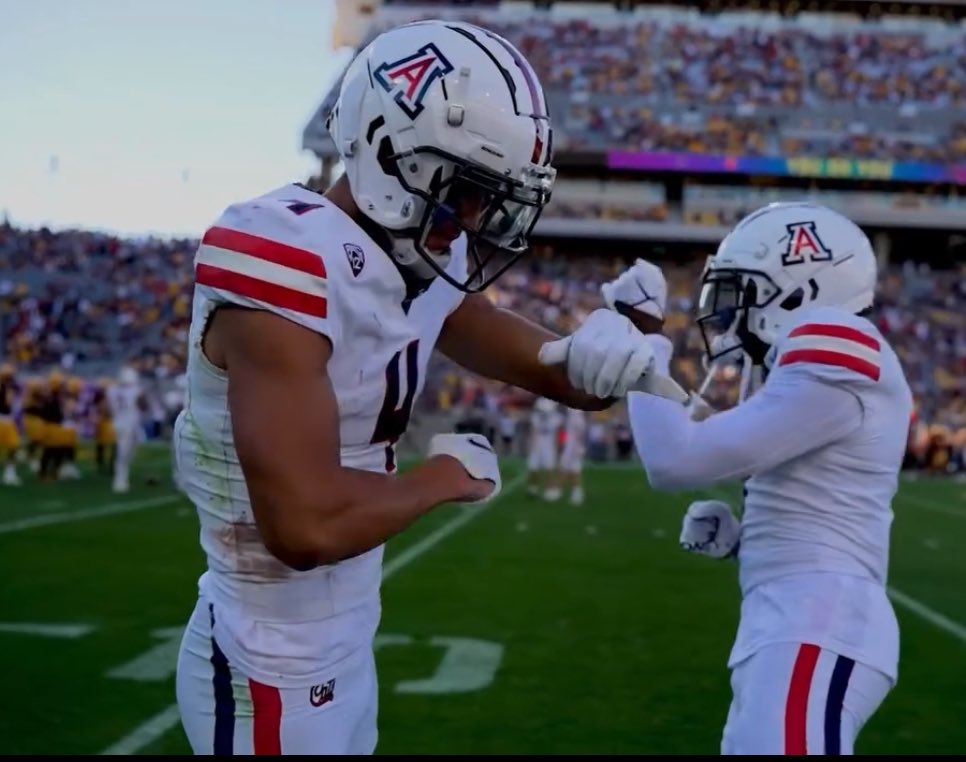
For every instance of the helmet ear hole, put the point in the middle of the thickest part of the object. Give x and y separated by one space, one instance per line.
751 293
384 156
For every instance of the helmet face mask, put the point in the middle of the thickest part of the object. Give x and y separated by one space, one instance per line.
730 302
444 132
497 215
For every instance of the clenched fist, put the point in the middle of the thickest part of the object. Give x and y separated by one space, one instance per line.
480 480
710 529
605 356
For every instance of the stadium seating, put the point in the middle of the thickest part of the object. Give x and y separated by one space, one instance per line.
86 301
663 78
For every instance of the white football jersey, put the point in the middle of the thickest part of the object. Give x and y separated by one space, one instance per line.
544 418
829 511
837 497
123 400
821 444
575 426
295 254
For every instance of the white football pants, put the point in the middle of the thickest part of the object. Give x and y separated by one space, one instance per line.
795 699
128 437
543 453
572 458
225 712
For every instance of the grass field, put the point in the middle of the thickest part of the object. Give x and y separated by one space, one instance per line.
525 627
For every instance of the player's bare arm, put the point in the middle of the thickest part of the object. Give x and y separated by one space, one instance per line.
586 370
309 509
500 344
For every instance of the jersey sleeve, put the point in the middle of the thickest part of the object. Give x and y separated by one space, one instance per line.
254 257
832 346
791 415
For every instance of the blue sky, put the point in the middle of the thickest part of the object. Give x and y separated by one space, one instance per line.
159 114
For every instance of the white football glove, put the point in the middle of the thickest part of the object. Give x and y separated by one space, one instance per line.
605 356
710 528
476 455
642 287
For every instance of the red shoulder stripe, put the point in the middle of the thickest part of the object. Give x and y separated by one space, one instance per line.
261 290
829 357
836 332
265 248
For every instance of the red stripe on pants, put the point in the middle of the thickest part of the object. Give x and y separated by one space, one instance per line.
796 705
267 718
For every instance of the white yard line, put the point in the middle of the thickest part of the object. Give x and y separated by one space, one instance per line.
69 631
461 519
66 517
151 730
145 733
931 505
909 603
932 616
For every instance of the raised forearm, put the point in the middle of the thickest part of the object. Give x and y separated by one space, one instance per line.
354 512
502 345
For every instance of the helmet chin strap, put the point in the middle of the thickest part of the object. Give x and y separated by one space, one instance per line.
401 247
405 254
752 377
752 374
732 348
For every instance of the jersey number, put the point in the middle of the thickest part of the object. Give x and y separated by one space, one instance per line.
301 207
394 417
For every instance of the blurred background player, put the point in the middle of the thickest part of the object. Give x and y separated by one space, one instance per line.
54 436
73 409
9 435
507 425
545 420
32 405
127 404
571 469
105 438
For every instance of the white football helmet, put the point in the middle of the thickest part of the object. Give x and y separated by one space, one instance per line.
777 260
545 405
437 117
128 376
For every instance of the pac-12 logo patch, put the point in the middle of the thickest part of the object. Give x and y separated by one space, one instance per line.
413 75
322 694
356 257
804 244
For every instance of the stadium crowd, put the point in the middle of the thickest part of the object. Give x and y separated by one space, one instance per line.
80 303
678 80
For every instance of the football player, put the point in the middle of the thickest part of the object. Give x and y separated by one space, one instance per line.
127 404
545 420
34 425
819 441
314 318
571 469
9 434
56 436
105 437
73 413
